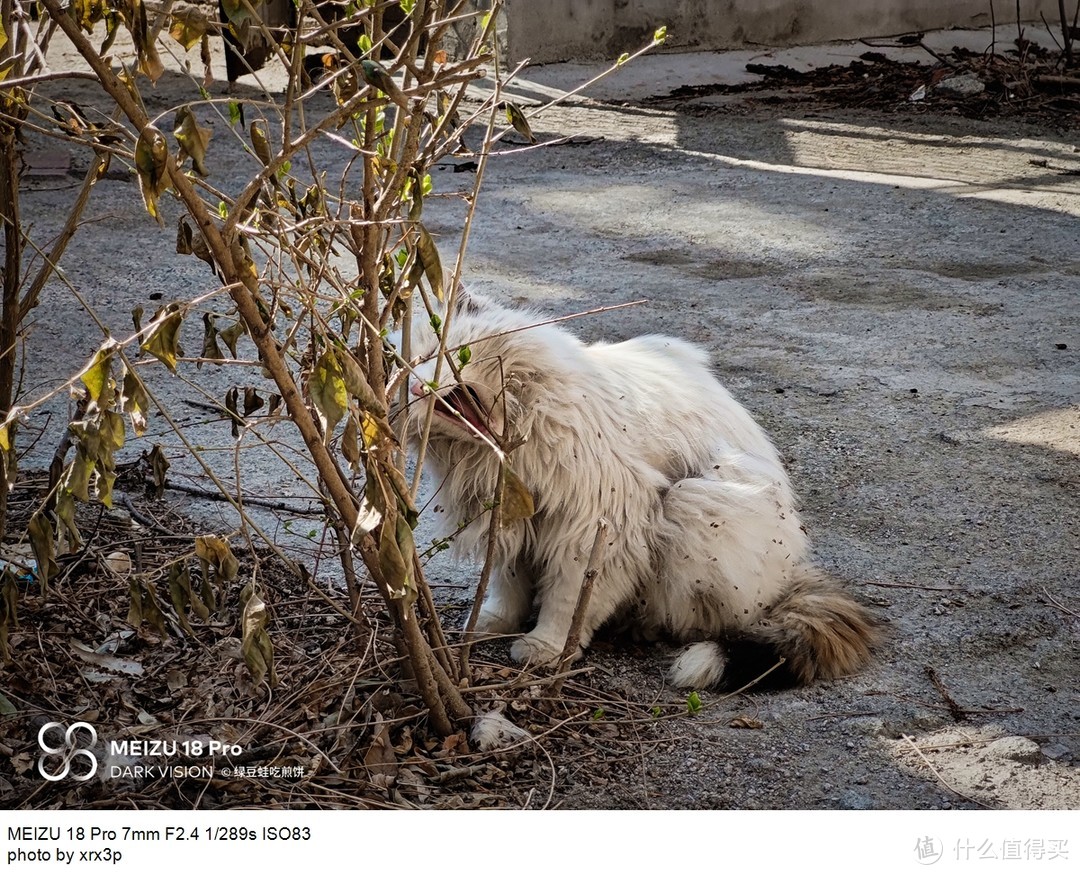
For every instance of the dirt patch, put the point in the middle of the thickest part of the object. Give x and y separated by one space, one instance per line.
879 292
993 769
1024 81
695 264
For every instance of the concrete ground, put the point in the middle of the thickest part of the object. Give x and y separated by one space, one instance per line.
895 296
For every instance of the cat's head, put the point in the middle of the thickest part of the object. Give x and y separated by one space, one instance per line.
497 363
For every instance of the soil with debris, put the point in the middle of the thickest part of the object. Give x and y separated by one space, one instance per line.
890 289
1025 83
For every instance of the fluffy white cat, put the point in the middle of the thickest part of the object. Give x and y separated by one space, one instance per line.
705 543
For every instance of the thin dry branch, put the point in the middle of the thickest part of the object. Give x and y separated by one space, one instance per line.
938 775
1059 605
573 637
485 575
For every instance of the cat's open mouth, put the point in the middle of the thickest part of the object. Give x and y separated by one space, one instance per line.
462 402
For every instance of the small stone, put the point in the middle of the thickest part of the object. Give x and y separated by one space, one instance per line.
1015 748
851 800
966 85
118 562
1055 751
119 515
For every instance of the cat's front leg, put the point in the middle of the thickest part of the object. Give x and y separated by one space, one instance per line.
508 599
558 596
539 648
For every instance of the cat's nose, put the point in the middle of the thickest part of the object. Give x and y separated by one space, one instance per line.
416 387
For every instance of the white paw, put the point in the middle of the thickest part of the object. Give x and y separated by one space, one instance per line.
494 624
534 651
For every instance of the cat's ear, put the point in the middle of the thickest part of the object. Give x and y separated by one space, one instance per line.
467 301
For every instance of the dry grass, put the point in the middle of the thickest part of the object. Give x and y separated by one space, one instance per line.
349 728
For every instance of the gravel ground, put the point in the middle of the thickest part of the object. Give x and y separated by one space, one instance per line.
894 295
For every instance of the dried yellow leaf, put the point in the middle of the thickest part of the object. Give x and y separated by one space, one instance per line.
326 387
163 343
151 163
517 501
193 140
188 29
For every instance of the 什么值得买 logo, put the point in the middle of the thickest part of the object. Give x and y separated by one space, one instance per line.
54 764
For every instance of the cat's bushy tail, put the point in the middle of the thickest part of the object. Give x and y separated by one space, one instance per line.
816 629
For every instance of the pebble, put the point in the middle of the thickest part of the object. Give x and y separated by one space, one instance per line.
852 800
1015 748
965 85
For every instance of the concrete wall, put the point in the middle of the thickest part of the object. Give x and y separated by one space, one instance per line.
562 30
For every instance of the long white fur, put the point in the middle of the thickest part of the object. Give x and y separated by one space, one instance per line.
700 665
704 534
493 730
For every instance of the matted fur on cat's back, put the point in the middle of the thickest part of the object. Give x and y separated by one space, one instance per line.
705 543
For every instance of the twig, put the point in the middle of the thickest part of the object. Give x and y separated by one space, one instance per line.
526 680
937 774
756 680
440 649
32 296
1058 604
36 78
145 520
485 574
913 586
455 280
214 495
934 706
939 58
1066 36
573 637
352 583
843 715
958 714
1050 31
554 778
59 459
557 319
1063 81
456 774
993 30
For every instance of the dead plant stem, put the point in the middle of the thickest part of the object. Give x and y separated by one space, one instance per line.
573 637
494 524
